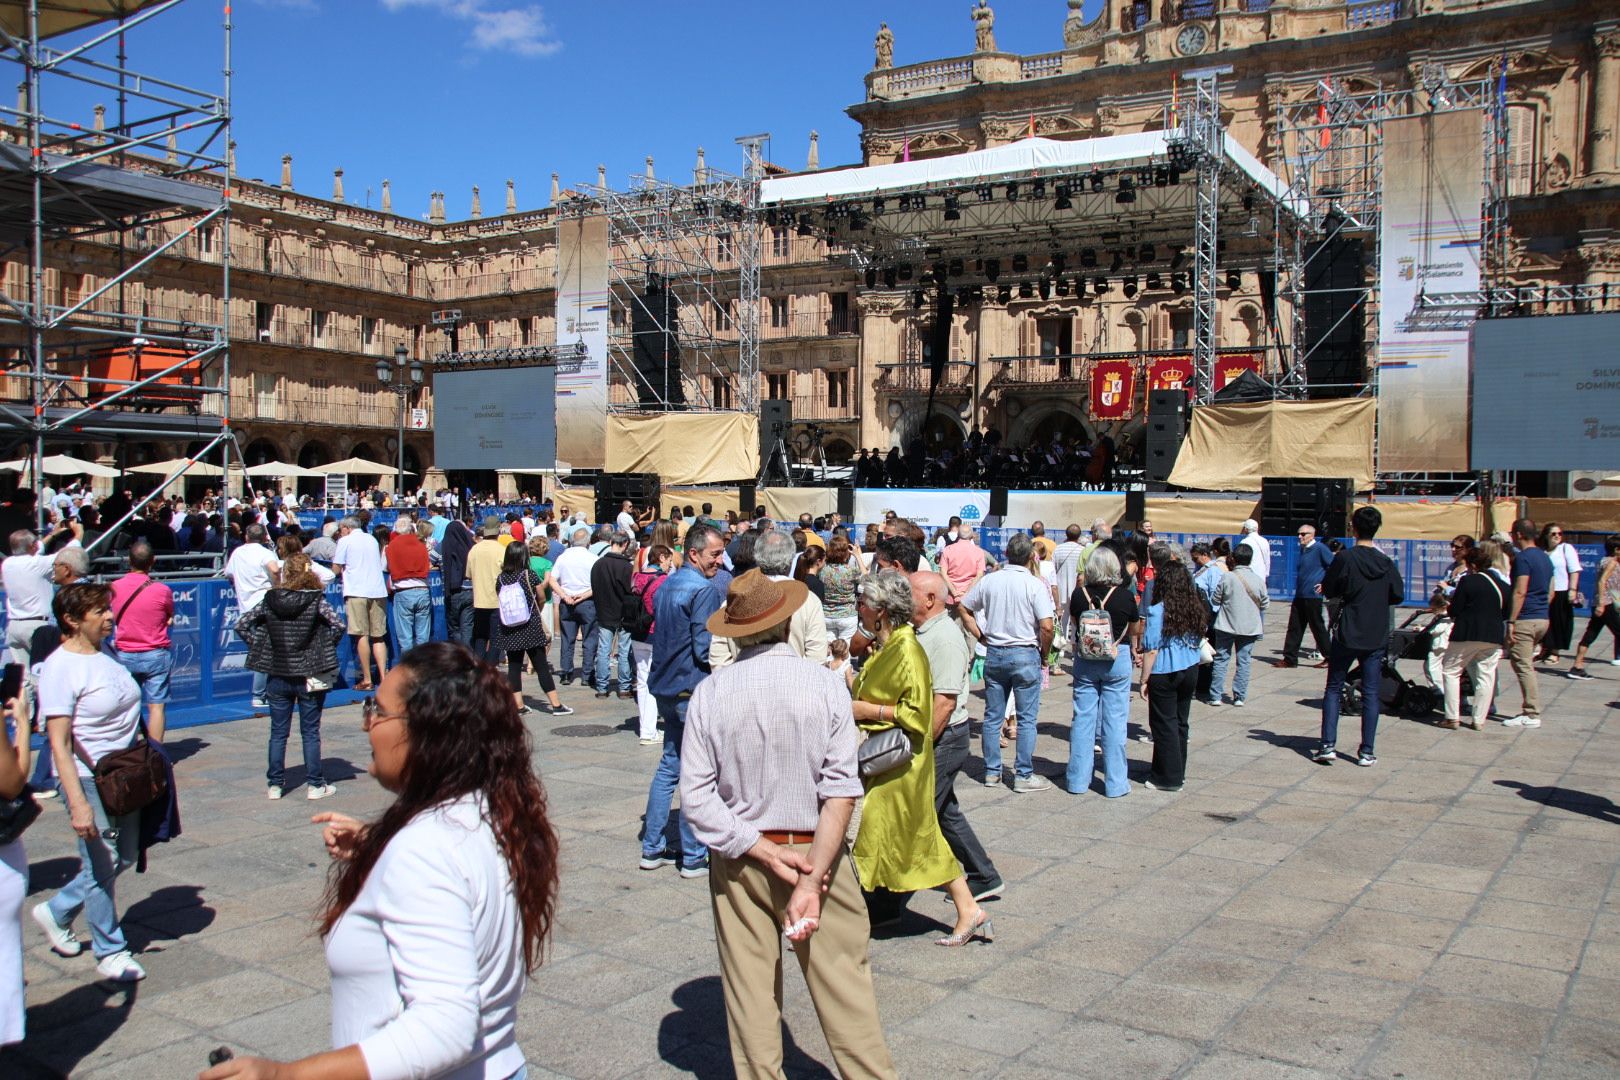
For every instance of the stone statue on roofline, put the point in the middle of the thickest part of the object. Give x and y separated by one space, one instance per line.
984 23
884 46
1076 32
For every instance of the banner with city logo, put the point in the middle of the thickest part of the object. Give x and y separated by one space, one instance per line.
1171 373
1113 389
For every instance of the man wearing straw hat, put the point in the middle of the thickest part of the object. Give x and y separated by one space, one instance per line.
768 782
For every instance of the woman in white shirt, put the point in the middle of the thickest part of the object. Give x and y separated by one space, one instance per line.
92 708
440 908
13 874
1566 593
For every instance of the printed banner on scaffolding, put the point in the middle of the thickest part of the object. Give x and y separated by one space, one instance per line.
1429 236
1171 373
582 318
1230 365
1113 389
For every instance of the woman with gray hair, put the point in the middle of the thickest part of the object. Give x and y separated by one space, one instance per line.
1102 673
899 847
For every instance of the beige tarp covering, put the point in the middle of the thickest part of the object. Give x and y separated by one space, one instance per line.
786 504
1215 517
1583 515
1232 447
1058 509
1440 520
60 16
721 498
685 448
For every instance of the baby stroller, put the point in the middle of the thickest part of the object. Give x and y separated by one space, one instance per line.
1398 695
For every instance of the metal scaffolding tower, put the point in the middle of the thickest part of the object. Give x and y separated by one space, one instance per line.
95 358
1201 140
684 266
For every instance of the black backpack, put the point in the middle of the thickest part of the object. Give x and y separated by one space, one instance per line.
640 621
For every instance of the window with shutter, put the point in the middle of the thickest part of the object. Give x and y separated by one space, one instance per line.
1521 150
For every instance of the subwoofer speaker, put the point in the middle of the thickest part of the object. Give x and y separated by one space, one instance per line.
642 489
1286 503
1166 428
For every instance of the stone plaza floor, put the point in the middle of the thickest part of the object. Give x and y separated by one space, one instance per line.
1452 911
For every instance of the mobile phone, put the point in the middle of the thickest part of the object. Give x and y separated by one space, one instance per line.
11 682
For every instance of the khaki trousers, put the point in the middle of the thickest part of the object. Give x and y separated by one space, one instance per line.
749 904
1480 658
1527 635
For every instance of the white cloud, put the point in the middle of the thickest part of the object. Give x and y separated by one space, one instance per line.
520 29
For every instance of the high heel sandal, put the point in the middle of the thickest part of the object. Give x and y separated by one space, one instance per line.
981 928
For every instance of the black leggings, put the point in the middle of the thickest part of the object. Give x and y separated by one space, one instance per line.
1610 619
542 669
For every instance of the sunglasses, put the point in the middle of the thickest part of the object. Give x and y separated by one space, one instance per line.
371 714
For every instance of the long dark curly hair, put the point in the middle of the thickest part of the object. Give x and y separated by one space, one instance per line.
1184 613
465 736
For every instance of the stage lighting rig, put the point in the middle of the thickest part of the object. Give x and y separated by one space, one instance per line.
1127 189
1062 202
1154 281
1025 290
952 213
1088 258
1129 287
1234 279
871 277
1020 264
1061 286
1118 264
985 193
1146 253
1004 295
992 270
1095 179
917 298
805 228
879 204
1012 192
1178 258
1178 283
1100 284
905 271
1038 189
891 277
1161 176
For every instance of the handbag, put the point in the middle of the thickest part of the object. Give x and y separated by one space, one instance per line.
131 779
1206 652
884 752
17 814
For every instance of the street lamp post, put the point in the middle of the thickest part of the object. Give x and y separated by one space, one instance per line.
403 386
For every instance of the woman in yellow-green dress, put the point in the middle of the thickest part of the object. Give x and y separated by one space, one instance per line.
899 846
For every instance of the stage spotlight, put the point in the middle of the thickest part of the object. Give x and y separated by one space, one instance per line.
1062 202
1146 253
1117 264
1004 295
1248 201
1025 290
1096 180
1038 189
918 298
965 296
890 277
951 212
905 271
1130 255
1178 283
1020 264
1100 284
985 192
878 205
1088 257
1059 263
858 221
1175 176
1178 258
1161 176
1045 288
955 268
1079 286
919 202
1234 279
992 269
940 270
1144 176
1130 287
1061 286
1012 192
1127 189
871 277
770 215
1154 281
805 228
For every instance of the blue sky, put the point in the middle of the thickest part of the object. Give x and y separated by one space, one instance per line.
445 94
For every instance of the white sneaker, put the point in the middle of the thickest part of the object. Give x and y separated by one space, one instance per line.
1522 721
1615 662
319 791
121 967
48 793
63 943
273 792
655 740
259 703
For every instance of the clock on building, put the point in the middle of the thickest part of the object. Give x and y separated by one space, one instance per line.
1192 39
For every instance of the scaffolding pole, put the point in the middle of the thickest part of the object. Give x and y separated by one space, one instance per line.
1201 134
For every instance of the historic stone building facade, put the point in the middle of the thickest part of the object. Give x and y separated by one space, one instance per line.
322 288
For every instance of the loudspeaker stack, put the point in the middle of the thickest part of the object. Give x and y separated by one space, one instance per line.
1286 503
1166 428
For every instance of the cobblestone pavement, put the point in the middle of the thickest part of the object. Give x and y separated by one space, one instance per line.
1451 912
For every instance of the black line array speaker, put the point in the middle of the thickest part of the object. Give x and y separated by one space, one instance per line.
846 504
1166 428
746 498
655 350
642 489
1135 507
1286 503
1335 331
998 502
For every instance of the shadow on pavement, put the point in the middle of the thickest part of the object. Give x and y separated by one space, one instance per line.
65 1031
51 873
693 1038
167 914
1576 802
1299 744
181 749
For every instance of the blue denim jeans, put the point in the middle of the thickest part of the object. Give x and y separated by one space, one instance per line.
150 670
578 621
283 693
101 860
458 615
613 654
1102 705
1015 670
1225 643
1372 670
413 619
654 841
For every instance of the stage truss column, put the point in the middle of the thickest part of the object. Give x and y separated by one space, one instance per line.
748 290
1202 133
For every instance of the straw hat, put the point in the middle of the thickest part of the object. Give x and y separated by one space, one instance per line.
755 603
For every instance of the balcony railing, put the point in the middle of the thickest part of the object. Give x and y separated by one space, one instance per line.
1360 14
383 412
1036 370
809 323
938 75
913 378
820 406
1040 67
1188 10
1137 15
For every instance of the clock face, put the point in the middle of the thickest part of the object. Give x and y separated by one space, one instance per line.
1192 39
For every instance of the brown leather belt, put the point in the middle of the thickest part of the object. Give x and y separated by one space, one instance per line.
778 837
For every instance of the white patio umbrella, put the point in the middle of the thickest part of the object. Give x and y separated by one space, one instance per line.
174 465
15 465
281 468
67 465
361 467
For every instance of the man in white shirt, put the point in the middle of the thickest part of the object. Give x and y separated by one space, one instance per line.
1260 561
253 569
570 579
1010 612
626 521
1066 561
365 598
29 588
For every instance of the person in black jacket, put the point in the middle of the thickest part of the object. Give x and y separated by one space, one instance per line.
1479 611
292 637
1368 583
458 594
614 594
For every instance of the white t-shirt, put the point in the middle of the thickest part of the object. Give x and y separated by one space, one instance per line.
573 569
29 588
1260 561
626 523
249 569
427 962
360 559
1565 561
98 693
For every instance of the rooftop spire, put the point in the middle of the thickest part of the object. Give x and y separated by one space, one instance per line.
286 172
556 190
478 203
511 197
700 171
813 160
337 185
387 198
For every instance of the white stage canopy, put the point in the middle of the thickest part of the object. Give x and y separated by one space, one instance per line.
1027 157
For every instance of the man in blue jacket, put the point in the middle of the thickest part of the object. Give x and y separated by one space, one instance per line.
1306 610
680 660
1370 585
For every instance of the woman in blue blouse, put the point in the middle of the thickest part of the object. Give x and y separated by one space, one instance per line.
1174 628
